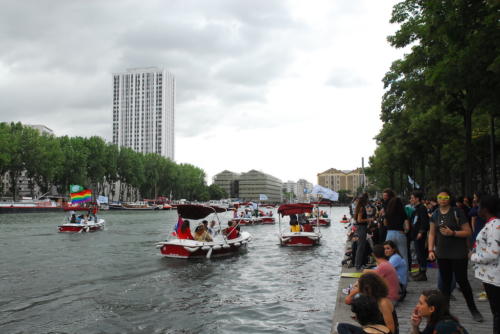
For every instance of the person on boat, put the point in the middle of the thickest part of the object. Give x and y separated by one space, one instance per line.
184 231
307 226
80 219
433 305
211 229
365 308
232 231
344 218
235 213
201 234
73 219
373 285
294 226
324 215
248 214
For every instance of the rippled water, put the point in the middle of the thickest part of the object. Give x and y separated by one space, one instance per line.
116 281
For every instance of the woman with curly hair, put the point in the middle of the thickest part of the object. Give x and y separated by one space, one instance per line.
372 285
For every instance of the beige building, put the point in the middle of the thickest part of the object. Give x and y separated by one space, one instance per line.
249 186
342 180
228 181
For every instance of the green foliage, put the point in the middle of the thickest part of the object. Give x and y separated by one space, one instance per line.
216 192
60 161
438 97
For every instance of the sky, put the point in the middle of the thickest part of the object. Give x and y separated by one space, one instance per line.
291 88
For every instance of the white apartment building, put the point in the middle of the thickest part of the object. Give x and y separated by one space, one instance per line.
144 110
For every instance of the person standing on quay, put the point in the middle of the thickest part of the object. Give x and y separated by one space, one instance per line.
395 218
361 229
419 227
448 233
486 256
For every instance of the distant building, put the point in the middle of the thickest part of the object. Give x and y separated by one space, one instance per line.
290 187
41 128
249 186
342 180
303 190
254 183
144 110
228 181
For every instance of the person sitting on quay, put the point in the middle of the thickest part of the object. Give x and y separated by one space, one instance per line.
366 312
201 234
231 231
434 307
184 232
372 285
385 270
397 261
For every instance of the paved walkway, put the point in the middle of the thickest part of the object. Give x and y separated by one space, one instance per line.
459 309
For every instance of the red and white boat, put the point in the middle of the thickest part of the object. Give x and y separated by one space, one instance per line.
320 221
187 249
84 226
247 221
287 238
268 220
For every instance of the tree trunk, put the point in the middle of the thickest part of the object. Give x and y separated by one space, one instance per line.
494 186
468 151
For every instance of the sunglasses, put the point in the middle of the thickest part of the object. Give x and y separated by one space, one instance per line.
443 197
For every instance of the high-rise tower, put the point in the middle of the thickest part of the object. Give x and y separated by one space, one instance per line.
144 110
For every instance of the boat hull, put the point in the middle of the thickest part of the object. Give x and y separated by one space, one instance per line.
78 228
191 249
246 221
268 220
300 239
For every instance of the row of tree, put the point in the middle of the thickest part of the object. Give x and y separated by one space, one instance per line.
49 161
441 99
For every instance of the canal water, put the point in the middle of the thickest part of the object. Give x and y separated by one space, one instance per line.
116 281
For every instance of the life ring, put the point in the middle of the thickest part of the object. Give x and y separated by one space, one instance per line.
206 247
217 247
226 246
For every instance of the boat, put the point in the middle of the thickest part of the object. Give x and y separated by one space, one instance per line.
344 221
28 205
246 221
136 206
82 225
287 238
189 249
320 221
268 220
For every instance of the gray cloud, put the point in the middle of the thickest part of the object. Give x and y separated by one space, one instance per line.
58 56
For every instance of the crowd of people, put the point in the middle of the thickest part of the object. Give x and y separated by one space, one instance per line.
387 236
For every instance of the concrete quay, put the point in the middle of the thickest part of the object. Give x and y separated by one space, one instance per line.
404 309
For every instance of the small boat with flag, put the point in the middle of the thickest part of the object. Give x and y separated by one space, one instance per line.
307 235
219 243
88 222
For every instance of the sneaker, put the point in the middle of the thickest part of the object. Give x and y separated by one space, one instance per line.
477 316
482 296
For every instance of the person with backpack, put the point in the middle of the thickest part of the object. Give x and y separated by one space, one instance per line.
448 234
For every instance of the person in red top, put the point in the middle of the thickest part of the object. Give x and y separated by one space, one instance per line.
385 270
231 231
185 232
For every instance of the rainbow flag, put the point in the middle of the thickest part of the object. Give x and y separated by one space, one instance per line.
81 197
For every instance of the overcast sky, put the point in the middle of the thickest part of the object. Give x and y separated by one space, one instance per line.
291 88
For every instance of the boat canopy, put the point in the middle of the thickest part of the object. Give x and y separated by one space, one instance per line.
194 211
293 209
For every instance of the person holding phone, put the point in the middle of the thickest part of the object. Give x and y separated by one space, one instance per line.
448 234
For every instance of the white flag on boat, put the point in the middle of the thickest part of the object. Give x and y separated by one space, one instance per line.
325 193
263 197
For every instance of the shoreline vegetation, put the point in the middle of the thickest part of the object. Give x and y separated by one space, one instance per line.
48 161
441 101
